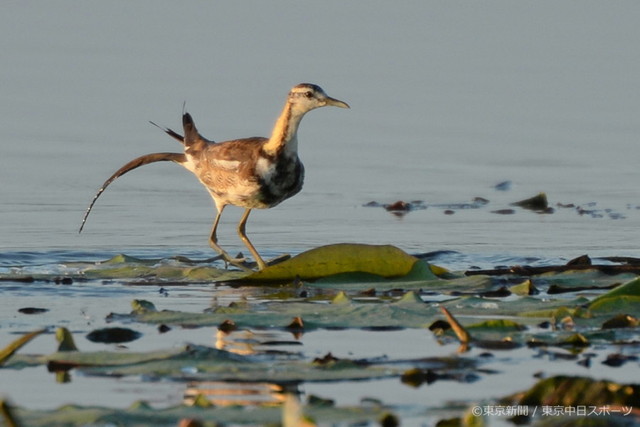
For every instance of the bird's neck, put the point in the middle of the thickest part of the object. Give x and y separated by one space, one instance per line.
285 131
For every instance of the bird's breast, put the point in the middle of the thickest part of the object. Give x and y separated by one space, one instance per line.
279 178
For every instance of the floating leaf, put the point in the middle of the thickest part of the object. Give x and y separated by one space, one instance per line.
342 314
577 391
631 288
623 298
108 358
139 415
154 270
498 324
420 276
619 304
209 364
525 288
384 261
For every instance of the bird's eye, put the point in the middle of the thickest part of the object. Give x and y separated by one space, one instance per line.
309 94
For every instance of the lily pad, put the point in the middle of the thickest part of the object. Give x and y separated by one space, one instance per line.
343 313
142 414
574 391
384 261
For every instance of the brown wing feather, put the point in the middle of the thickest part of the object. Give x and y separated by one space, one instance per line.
133 164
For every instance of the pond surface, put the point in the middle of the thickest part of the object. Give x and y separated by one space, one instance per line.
448 100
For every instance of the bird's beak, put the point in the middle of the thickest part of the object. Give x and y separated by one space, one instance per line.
336 102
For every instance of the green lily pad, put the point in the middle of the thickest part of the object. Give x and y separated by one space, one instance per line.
575 391
497 325
142 414
342 314
384 261
623 298
153 270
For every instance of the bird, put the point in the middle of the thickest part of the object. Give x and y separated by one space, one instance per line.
251 173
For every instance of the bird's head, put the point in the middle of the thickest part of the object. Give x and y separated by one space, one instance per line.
306 96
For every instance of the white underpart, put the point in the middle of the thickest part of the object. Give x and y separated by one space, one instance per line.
265 169
190 165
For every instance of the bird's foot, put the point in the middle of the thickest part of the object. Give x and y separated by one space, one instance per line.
239 261
242 262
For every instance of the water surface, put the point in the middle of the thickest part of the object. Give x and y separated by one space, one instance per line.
448 99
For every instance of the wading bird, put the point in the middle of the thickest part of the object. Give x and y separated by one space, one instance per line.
253 173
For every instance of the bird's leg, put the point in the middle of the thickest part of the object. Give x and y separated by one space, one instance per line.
243 235
213 242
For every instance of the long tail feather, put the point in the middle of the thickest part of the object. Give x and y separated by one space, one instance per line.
133 164
173 134
191 138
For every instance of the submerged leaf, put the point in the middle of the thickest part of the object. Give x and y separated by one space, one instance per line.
384 261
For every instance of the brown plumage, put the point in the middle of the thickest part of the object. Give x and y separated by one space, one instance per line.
254 173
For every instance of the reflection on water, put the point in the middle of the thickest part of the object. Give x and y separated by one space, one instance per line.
232 393
246 343
449 100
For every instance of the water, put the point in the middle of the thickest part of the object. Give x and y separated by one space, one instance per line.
448 99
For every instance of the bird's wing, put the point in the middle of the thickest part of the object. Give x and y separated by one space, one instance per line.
133 164
234 155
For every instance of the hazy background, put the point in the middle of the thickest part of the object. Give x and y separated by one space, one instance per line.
448 99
